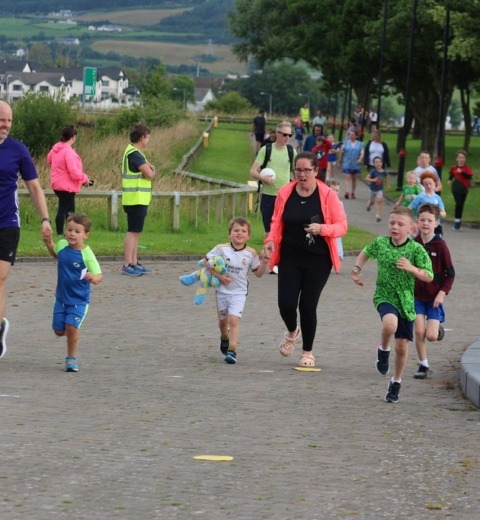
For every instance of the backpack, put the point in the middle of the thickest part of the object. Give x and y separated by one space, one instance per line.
268 153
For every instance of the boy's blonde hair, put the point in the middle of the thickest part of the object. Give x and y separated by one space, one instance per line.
332 182
402 210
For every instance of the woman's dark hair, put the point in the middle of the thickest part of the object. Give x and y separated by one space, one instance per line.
68 132
307 155
138 131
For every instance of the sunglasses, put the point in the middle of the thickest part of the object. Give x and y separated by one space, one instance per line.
284 135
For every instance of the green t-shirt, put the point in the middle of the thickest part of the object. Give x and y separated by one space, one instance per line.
409 193
394 285
280 164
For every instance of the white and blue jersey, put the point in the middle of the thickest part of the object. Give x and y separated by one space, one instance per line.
73 264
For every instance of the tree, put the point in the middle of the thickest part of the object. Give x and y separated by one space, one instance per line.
230 103
156 84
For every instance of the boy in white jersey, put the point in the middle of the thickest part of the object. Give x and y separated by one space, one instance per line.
231 294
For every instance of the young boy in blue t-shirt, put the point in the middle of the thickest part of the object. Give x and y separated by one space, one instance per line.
77 269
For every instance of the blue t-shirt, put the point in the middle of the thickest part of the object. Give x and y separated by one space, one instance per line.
14 159
427 199
73 264
374 174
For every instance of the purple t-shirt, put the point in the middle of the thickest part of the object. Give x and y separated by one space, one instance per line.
14 159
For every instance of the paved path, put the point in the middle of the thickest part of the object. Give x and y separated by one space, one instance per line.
117 440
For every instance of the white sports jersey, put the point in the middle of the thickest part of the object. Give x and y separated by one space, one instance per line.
238 263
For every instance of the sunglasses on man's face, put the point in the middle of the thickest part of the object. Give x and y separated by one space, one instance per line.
284 135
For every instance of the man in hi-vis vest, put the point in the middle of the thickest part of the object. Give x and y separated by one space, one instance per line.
137 175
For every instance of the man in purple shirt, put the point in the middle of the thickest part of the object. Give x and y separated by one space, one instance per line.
14 159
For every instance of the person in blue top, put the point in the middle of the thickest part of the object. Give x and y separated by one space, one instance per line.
429 181
376 179
15 163
77 269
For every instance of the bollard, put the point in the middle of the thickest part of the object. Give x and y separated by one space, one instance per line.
205 139
215 121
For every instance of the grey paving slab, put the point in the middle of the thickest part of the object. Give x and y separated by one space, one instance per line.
117 440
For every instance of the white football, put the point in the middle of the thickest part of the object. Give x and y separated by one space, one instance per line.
268 172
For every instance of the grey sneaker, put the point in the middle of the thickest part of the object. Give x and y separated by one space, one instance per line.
382 364
393 391
422 372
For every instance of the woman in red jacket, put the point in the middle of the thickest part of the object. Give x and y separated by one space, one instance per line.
460 176
307 219
66 174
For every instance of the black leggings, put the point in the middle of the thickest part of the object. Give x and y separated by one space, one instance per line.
66 205
460 199
301 279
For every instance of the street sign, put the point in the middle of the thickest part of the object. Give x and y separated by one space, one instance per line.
89 81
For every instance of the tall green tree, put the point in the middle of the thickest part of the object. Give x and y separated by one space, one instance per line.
343 40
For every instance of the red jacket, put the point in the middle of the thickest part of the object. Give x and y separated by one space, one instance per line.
333 213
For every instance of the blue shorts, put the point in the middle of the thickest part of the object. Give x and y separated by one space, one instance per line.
427 309
64 315
350 171
404 327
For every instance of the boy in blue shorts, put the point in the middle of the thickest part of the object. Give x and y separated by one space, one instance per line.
429 297
400 262
77 269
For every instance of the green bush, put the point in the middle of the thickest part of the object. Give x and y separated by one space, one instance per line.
156 112
38 121
231 103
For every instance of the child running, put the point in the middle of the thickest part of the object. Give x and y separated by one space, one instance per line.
409 190
77 268
232 292
429 297
376 179
400 261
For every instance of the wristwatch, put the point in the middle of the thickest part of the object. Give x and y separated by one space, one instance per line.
46 219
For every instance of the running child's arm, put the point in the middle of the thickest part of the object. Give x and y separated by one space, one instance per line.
361 260
47 240
264 261
94 278
421 274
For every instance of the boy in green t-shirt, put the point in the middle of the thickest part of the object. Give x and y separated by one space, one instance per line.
409 190
400 261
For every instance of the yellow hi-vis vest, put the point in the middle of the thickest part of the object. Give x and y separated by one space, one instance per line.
136 190
305 114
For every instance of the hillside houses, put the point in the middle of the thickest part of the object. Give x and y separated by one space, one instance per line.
19 77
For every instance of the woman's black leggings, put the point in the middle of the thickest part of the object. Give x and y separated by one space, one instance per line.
66 205
301 279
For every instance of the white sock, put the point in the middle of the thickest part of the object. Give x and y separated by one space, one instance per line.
395 381
424 363
383 349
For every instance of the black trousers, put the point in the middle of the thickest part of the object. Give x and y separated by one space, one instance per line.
66 205
301 279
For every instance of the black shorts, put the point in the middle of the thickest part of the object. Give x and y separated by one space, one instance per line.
9 238
259 137
135 217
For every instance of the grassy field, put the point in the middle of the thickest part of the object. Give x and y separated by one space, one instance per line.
173 54
131 17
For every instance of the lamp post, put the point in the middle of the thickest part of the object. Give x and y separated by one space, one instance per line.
270 101
184 97
402 151
308 98
7 95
